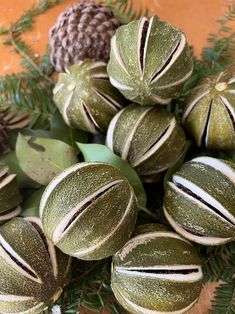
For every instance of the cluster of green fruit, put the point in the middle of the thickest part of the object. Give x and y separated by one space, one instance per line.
89 210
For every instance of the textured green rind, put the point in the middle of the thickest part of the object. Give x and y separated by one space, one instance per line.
195 218
212 181
150 128
182 65
144 251
26 242
71 190
98 221
157 251
84 92
125 123
221 132
39 261
142 229
19 307
148 124
92 232
127 42
162 41
155 294
219 118
165 156
9 196
141 90
196 120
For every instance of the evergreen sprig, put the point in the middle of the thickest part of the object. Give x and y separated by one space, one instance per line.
222 50
26 98
218 262
23 94
125 10
25 22
90 289
224 299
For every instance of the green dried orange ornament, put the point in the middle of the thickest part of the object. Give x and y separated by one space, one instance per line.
149 61
200 201
149 138
89 210
156 272
85 97
210 114
33 272
10 196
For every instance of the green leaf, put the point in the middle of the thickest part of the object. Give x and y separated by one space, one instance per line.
42 158
178 164
97 152
31 204
62 132
36 133
23 180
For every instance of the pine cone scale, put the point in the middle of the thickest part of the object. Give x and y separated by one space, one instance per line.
82 32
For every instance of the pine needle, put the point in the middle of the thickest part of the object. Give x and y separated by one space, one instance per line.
125 11
224 300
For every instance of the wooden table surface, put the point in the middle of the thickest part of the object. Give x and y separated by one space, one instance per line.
196 18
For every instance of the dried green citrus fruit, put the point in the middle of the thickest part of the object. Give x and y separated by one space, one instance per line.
156 271
210 114
85 97
149 61
33 272
200 201
149 138
10 197
89 210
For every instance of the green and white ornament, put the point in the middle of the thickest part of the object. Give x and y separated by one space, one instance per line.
200 201
89 210
156 271
33 272
149 61
85 97
210 114
149 138
10 197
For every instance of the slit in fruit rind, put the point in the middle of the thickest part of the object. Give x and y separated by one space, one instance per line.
125 154
205 131
217 208
114 105
16 262
193 105
230 109
130 210
10 213
174 55
36 223
88 118
204 240
142 42
160 141
188 269
4 174
202 207
117 59
70 219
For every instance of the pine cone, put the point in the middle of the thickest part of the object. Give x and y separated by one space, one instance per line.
4 145
82 31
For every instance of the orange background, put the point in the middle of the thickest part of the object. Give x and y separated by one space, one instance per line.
196 18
